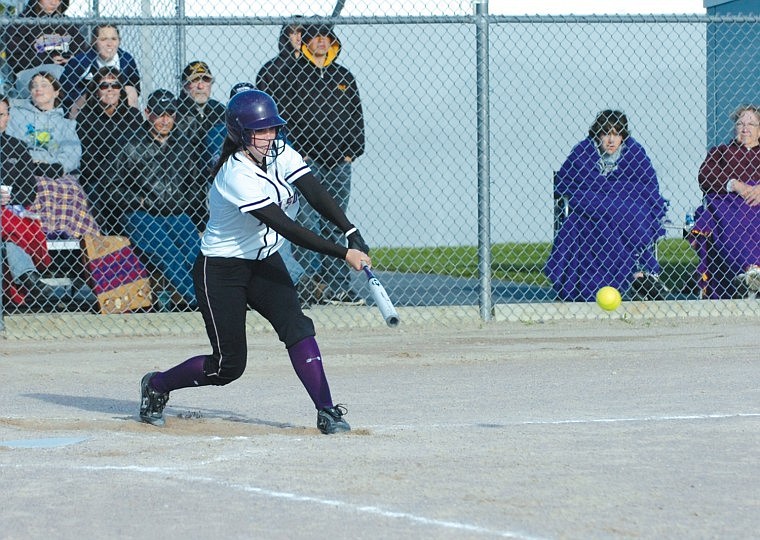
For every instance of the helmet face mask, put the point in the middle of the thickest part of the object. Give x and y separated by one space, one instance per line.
250 111
274 145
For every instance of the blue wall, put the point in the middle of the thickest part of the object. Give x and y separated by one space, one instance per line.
733 66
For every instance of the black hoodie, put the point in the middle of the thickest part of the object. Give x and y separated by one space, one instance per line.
324 111
30 46
274 75
17 169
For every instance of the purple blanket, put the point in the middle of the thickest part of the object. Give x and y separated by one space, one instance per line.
726 236
613 223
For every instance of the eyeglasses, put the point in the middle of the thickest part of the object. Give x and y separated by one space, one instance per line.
205 78
742 125
109 86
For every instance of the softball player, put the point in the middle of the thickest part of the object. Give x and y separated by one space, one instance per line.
252 204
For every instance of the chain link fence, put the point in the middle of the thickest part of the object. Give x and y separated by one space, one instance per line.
431 153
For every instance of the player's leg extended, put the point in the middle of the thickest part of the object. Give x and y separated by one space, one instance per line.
274 296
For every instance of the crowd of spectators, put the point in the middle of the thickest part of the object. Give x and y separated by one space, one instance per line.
82 158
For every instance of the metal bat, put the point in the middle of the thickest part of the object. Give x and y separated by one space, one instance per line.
384 303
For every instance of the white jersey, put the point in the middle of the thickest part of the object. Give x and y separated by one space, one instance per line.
239 187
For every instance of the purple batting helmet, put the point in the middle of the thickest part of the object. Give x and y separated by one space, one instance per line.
251 110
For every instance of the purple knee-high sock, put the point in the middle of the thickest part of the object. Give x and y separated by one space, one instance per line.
188 373
307 361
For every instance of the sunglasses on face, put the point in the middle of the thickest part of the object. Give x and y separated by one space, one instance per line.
205 78
109 86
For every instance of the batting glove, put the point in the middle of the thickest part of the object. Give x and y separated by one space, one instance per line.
355 241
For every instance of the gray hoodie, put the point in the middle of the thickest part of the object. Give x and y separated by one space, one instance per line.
50 136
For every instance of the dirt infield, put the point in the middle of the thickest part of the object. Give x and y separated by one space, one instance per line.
567 429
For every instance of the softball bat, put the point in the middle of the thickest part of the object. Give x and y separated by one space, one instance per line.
381 298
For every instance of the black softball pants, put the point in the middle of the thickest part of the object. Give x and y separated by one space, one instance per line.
225 288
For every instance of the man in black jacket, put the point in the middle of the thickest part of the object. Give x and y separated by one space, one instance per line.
198 114
162 194
326 126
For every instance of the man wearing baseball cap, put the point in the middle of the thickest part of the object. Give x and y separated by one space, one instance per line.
161 193
198 112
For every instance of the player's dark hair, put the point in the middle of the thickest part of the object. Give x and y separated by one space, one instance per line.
228 148
608 121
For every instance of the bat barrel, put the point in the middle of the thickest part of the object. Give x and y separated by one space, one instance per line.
380 296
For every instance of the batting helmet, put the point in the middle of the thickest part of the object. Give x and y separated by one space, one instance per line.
251 110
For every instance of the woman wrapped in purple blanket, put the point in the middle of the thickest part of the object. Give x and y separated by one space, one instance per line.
615 216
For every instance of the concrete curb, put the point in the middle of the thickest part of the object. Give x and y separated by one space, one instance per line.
88 325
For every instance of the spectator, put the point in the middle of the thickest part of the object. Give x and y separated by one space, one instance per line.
26 286
274 76
198 113
104 121
215 136
23 242
45 46
326 126
39 121
17 168
106 52
160 191
615 216
56 151
730 180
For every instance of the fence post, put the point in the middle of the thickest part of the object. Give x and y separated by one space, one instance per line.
181 43
484 176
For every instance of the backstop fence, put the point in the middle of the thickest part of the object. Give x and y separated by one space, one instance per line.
464 182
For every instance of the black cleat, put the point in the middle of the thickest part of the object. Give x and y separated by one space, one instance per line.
330 420
152 403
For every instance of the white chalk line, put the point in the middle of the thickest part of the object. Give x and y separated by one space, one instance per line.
516 423
178 475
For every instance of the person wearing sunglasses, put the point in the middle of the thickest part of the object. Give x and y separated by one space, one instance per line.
106 52
105 119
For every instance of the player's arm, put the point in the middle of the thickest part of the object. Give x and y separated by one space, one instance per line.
273 216
323 202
